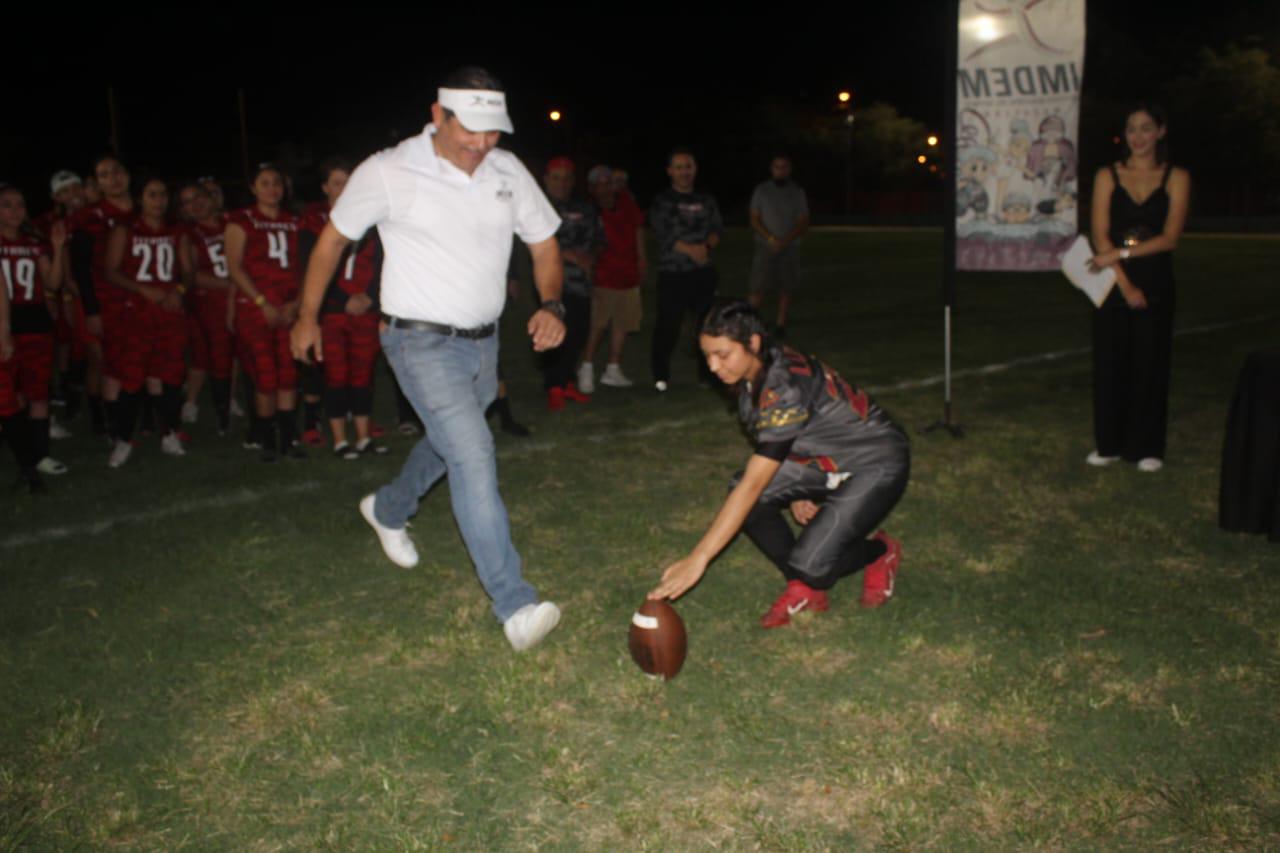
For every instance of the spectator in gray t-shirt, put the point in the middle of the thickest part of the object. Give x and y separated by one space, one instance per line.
779 217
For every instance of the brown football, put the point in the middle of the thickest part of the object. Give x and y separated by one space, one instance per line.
657 639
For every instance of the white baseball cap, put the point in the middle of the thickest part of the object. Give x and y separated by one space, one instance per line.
479 110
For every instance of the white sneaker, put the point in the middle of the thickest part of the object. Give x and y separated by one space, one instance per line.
49 465
1150 465
530 624
119 454
235 410
614 377
660 386
57 431
587 377
172 445
190 412
1098 460
396 544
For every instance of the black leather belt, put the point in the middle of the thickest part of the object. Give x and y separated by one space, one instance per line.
439 328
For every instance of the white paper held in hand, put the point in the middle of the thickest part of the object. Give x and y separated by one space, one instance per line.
1075 265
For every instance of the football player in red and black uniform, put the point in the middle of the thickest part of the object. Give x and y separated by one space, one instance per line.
261 243
67 192
204 266
349 324
30 266
89 228
149 331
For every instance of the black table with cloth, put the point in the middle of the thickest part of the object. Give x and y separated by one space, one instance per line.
1249 499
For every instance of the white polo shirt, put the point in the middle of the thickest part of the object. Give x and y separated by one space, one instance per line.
446 234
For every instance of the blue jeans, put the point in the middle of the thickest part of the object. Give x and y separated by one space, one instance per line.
451 381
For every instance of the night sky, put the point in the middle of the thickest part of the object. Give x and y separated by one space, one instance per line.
630 90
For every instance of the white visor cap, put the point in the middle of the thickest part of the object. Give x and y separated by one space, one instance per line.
479 110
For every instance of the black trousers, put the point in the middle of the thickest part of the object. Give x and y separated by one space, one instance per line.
559 365
1132 353
834 544
680 293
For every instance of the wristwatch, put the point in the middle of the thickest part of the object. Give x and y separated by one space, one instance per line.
555 306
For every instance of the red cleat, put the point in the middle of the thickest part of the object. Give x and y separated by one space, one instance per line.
376 430
878 578
555 399
571 392
312 438
798 596
183 436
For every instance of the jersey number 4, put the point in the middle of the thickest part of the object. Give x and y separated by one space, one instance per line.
20 273
155 265
278 247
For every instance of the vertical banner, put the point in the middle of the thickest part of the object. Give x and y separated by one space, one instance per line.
1018 76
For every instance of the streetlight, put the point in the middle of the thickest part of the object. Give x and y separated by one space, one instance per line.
922 159
932 140
555 115
844 100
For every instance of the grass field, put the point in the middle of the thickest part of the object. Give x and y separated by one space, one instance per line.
212 653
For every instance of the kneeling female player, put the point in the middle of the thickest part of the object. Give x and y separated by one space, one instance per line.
822 448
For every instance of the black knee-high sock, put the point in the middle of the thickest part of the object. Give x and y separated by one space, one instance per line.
221 401
311 414
336 402
98 415
39 429
17 434
287 427
149 411
360 401
155 403
126 411
170 407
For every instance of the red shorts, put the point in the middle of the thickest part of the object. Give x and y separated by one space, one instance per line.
350 347
211 342
9 402
121 324
264 351
146 343
33 365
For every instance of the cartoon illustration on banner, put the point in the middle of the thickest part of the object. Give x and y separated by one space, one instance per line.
1018 101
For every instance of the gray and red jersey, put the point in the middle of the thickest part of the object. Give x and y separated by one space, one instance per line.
827 422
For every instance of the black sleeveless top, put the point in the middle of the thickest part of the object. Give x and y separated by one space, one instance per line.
1131 223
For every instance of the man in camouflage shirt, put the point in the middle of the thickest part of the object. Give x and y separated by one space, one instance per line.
687 225
581 236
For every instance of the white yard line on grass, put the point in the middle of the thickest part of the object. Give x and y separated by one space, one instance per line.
235 498
248 496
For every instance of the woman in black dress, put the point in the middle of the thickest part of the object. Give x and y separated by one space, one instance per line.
1139 210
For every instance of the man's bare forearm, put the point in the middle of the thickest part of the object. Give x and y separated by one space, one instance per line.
320 269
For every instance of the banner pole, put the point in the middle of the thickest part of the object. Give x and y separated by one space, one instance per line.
949 218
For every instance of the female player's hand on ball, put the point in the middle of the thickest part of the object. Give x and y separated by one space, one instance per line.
679 578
